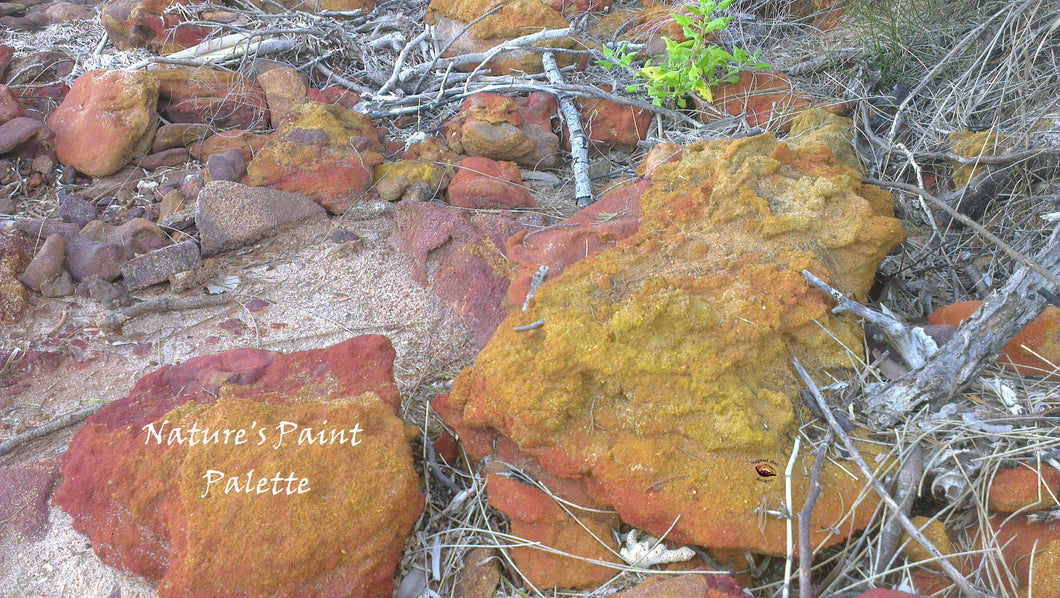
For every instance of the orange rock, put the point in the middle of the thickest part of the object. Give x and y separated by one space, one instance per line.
284 89
536 517
1022 543
327 153
481 183
1035 351
500 128
106 120
661 372
248 144
1024 488
685 586
608 124
151 24
219 98
764 98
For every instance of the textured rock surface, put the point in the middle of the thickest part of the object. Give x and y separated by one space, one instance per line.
1018 539
150 24
229 214
47 264
764 98
145 504
284 89
661 374
205 95
327 153
20 131
611 125
481 183
685 586
501 128
158 265
1035 351
25 491
968 144
1024 488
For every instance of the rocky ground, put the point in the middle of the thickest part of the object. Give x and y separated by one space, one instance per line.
341 224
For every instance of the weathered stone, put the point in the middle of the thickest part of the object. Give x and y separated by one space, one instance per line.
76 210
211 96
392 179
20 131
25 493
47 264
765 99
480 575
106 120
611 125
138 235
685 586
150 24
661 373
60 286
174 156
86 257
967 144
108 294
482 183
146 505
226 166
327 153
500 128
1016 539
179 135
158 265
14 255
10 107
63 12
229 214
248 144
1034 351
1025 488
284 89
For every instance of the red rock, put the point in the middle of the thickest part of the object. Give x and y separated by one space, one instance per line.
339 95
206 95
327 153
10 107
62 12
144 502
537 517
612 125
179 135
480 575
481 183
284 89
14 255
1017 539
21 131
1041 339
151 24
1024 488
106 120
501 128
463 251
6 52
174 156
248 144
765 99
597 227
685 586
25 493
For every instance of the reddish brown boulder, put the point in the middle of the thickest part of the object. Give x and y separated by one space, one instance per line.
1025 488
500 128
327 153
151 24
14 256
251 473
612 125
20 132
536 517
10 107
248 144
284 89
481 183
765 99
695 585
661 372
222 99
1035 351
106 120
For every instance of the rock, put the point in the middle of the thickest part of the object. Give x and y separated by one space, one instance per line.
150 24
226 166
935 532
229 214
221 99
47 265
106 120
1041 338
500 128
765 99
10 107
967 144
148 505
86 257
138 235
685 586
20 131
1016 539
14 255
121 183
393 179
452 17
158 265
63 12
327 153
6 52
171 157
459 255
174 135
480 575
25 493
662 368
108 294
248 144
76 210
536 517
647 24
60 286
337 94
284 89
1025 488
43 228
610 125
481 183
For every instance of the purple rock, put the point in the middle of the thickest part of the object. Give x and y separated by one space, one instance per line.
156 266
226 166
87 257
76 210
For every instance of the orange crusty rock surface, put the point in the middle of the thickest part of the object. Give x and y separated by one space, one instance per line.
661 375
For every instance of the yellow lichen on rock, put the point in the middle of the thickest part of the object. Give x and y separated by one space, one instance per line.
973 145
662 370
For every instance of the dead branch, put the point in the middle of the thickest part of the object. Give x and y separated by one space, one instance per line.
955 576
112 322
52 426
400 61
805 515
579 144
904 493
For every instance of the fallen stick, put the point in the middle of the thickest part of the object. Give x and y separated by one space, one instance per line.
579 142
401 60
955 576
805 515
53 426
112 322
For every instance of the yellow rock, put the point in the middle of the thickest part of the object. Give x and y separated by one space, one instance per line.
971 145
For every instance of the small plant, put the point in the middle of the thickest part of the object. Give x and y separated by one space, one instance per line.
691 66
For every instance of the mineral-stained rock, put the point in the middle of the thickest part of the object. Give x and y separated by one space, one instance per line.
1018 539
610 125
151 24
764 99
248 144
661 372
229 214
500 128
967 144
480 575
150 506
482 183
284 89
25 491
158 265
394 178
106 120
10 107
179 135
14 255
327 153
685 586
211 96
47 264
1025 488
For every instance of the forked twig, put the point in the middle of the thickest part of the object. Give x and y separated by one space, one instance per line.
112 322
53 426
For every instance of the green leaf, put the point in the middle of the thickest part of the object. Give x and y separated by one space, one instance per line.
607 64
683 20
